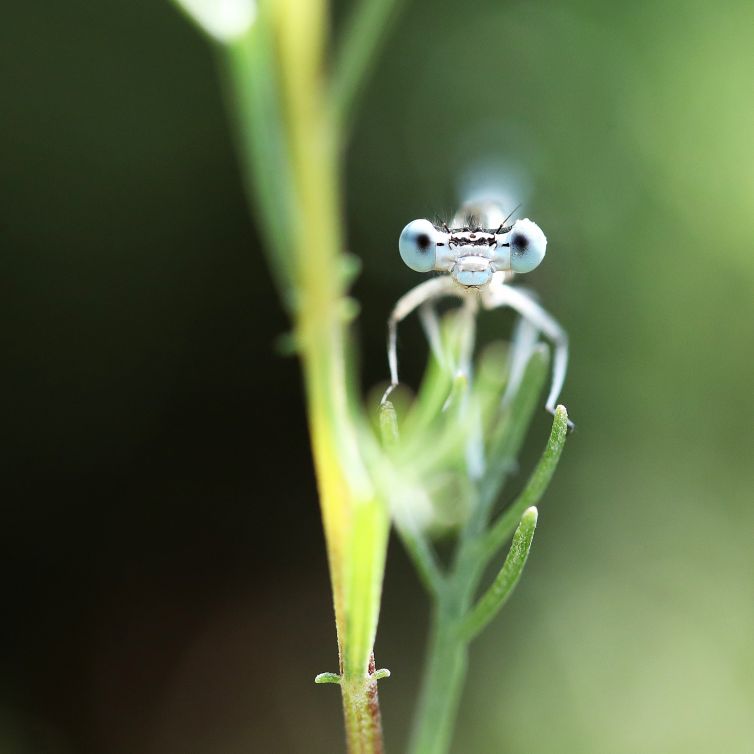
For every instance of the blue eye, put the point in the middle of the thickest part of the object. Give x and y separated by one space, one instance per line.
527 245
418 245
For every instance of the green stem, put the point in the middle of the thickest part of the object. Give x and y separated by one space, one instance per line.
361 712
447 656
291 157
251 87
442 683
366 30
421 553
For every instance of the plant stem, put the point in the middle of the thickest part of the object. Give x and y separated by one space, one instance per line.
291 158
442 683
361 711
362 39
447 657
355 521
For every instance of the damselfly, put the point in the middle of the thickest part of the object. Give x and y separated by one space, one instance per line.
479 254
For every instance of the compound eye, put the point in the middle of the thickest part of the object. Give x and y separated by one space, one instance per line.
527 245
418 245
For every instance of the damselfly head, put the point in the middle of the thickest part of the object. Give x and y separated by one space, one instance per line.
472 255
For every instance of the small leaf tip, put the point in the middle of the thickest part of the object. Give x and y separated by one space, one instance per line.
327 678
561 413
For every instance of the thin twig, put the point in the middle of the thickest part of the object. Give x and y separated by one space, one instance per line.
357 53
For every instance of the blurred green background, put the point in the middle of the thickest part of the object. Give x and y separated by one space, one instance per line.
164 577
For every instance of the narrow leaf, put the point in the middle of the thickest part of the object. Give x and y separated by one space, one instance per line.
505 582
253 90
365 565
535 487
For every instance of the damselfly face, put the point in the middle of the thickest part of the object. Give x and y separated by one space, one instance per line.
472 255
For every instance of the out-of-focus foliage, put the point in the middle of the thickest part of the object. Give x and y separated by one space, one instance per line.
138 333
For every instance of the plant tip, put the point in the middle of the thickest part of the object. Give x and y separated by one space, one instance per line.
562 413
327 678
